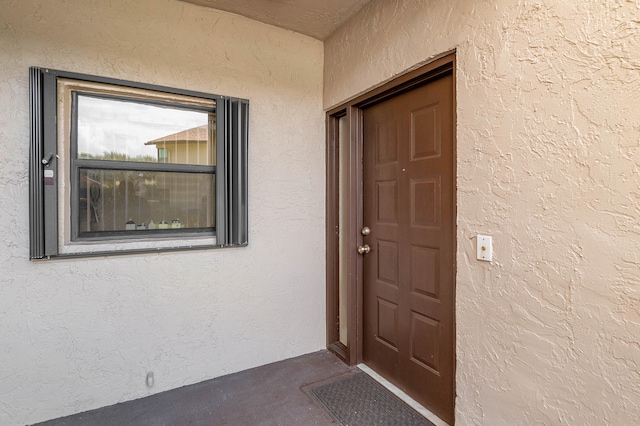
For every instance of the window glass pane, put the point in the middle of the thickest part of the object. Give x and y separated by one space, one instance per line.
122 200
343 226
124 130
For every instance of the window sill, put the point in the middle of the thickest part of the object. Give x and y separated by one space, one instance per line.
142 245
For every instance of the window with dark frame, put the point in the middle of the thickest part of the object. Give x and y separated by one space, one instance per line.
119 166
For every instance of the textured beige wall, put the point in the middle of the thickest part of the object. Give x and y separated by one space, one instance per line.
80 334
548 134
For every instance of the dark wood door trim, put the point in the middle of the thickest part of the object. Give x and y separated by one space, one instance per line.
352 110
350 353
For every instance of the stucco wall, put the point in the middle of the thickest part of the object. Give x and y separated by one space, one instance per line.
80 334
548 146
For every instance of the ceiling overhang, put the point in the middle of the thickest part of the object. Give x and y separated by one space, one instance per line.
315 18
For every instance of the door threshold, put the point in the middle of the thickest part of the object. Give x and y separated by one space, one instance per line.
403 396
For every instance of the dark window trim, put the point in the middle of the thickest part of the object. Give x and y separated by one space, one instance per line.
232 115
152 102
77 164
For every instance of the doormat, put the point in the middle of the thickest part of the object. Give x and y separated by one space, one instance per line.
359 400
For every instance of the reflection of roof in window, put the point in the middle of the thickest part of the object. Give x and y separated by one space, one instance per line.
200 133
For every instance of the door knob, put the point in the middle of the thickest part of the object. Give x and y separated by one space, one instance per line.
364 249
365 231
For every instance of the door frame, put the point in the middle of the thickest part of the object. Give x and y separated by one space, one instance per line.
351 113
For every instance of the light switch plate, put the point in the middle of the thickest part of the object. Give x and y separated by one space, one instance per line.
484 248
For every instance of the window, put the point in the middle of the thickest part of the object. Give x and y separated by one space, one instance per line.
119 167
163 155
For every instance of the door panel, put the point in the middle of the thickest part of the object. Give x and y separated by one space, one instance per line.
408 277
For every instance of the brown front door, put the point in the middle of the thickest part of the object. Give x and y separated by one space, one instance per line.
408 276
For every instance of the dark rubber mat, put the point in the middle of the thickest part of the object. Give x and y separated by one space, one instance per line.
358 400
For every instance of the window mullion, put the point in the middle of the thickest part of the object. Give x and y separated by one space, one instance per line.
143 167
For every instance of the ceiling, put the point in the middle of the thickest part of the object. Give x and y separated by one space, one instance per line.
315 18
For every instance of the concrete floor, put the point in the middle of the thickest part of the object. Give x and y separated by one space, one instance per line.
267 395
